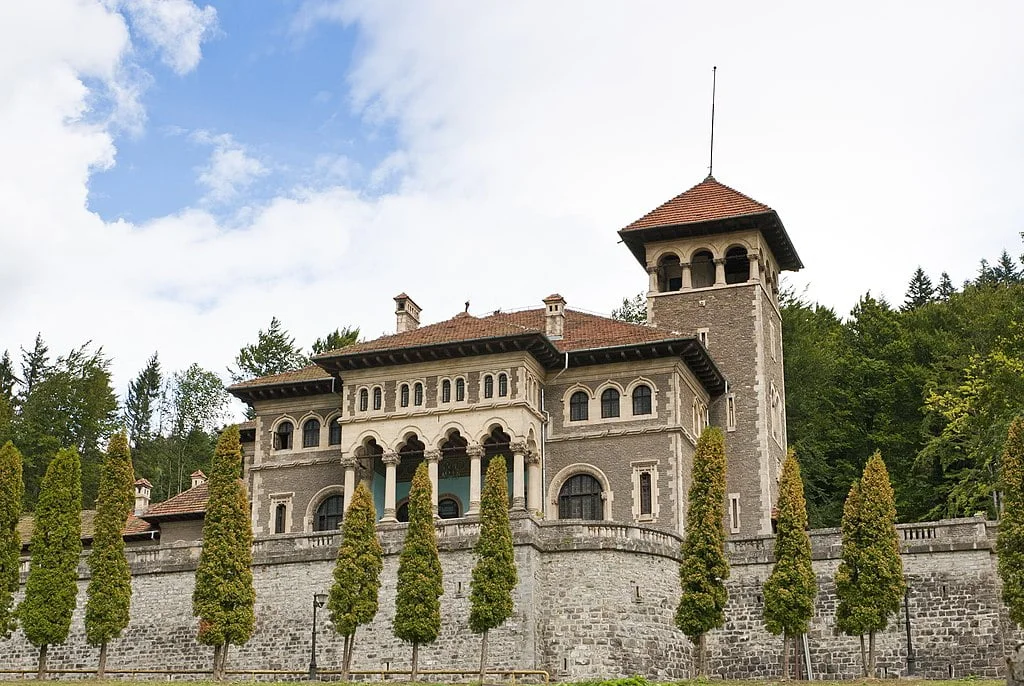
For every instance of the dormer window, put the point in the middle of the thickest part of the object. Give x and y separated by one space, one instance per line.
488 386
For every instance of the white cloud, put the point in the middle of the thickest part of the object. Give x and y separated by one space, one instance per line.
230 170
177 28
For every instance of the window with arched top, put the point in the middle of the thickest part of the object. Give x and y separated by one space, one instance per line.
364 400
280 518
311 433
417 394
446 391
702 269
283 436
448 508
329 514
737 265
580 498
403 395
642 399
460 390
334 432
670 274
488 386
579 407
502 385
609 403
402 512
377 398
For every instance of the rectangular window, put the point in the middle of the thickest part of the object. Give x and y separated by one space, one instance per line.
730 412
646 501
771 340
334 433
702 336
645 491
734 513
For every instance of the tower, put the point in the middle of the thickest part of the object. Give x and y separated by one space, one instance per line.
713 257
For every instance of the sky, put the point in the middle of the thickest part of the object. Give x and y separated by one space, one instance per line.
175 173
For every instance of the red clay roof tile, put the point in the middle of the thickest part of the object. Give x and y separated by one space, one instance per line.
187 503
310 373
133 526
709 200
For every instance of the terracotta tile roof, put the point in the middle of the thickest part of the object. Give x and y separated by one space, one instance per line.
190 503
461 327
310 373
709 200
133 526
584 331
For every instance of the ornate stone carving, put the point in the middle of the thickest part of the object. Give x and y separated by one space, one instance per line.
475 451
532 457
518 447
432 455
349 462
391 458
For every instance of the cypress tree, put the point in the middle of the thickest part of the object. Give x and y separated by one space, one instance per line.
356 588
494 575
704 567
224 596
110 584
12 489
869 581
1010 544
417 598
50 591
791 587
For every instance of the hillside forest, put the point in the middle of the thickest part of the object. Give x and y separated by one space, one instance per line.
932 382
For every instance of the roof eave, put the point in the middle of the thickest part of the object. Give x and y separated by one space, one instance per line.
687 348
288 389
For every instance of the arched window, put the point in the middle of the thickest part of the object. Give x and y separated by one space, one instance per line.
364 400
446 391
609 403
280 513
702 270
334 432
311 433
460 390
488 386
448 508
737 266
328 514
404 395
642 399
670 274
579 407
417 394
283 436
502 385
377 398
402 512
580 498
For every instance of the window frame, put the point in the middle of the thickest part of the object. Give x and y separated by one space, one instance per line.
569 503
608 410
364 399
378 398
417 394
460 390
338 516
403 395
279 442
446 391
311 437
333 431
281 518
649 399
488 382
502 385
585 406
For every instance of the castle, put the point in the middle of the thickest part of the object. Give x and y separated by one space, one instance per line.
599 418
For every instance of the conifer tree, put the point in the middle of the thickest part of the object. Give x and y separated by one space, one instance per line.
494 575
417 598
791 587
274 352
356 588
143 394
11 492
7 378
45 613
224 595
704 567
110 583
869 581
945 287
35 365
1010 545
920 291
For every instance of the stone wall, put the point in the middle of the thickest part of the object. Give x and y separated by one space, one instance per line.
594 600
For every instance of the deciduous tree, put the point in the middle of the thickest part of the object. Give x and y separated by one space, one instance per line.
110 582
339 338
45 613
273 352
11 492
632 309
704 567
224 595
417 598
1010 544
494 575
356 588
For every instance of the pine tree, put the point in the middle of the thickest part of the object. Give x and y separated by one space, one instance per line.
1006 271
7 378
335 340
920 291
274 352
1010 545
224 595
791 587
417 597
143 394
11 492
45 613
946 288
869 581
110 583
494 575
704 567
35 364
356 588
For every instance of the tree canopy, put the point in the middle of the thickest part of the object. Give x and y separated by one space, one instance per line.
11 492
1010 544
273 352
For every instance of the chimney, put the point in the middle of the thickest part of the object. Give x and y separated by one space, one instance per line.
143 489
407 313
554 316
198 478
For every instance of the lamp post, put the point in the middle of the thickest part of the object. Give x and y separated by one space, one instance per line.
319 599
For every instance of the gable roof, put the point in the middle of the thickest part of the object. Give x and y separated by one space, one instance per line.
190 504
133 527
710 207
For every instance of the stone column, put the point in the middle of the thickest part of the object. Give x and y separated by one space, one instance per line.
719 271
390 460
755 267
475 452
518 475
687 279
348 463
432 456
652 279
534 493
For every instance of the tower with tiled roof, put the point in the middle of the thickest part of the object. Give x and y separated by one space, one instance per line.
713 257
